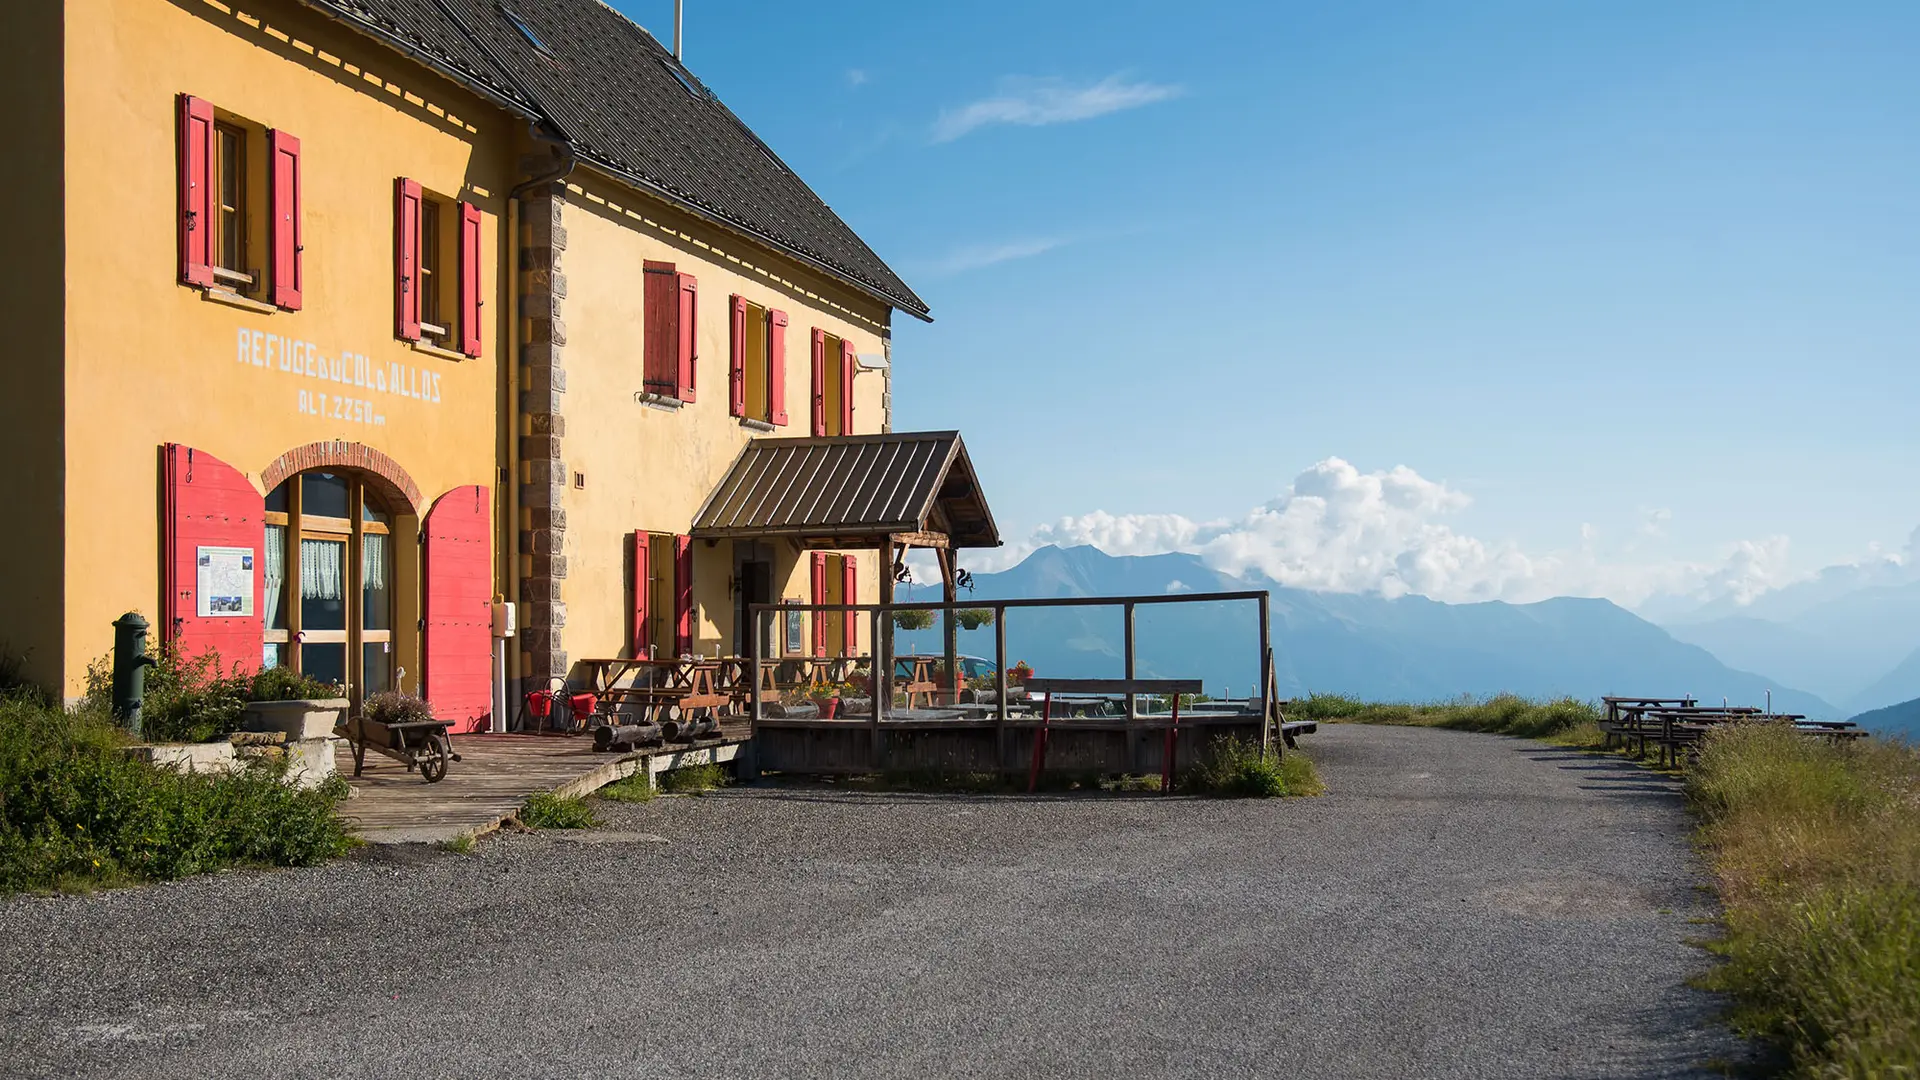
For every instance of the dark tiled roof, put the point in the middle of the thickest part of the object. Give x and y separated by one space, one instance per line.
628 107
851 487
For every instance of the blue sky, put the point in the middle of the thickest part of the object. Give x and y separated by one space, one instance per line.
1630 292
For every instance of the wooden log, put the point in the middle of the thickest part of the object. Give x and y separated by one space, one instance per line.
609 737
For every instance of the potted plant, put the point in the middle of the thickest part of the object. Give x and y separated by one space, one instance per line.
827 697
299 706
1019 673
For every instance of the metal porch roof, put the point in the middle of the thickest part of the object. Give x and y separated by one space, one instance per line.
838 489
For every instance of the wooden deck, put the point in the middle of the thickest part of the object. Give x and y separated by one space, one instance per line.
494 776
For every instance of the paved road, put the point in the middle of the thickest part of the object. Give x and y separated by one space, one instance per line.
1459 905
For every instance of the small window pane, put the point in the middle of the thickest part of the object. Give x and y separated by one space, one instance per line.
323 584
372 509
275 589
279 499
376 666
323 495
376 582
274 656
325 661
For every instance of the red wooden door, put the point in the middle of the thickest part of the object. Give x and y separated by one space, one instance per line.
213 552
457 564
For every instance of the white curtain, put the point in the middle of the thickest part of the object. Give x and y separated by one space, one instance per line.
276 571
373 561
320 570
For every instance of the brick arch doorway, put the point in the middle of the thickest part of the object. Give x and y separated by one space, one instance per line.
341 595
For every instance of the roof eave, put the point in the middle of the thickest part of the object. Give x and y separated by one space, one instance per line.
634 180
491 94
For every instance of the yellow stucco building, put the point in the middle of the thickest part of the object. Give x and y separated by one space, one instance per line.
342 320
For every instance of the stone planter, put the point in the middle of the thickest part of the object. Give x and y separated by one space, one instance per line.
308 726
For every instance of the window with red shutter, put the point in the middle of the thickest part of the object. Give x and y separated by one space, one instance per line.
819 597
819 381
737 358
682 595
283 158
472 301
660 334
848 365
196 191
849 594
689 337
777 367
637 634
406 258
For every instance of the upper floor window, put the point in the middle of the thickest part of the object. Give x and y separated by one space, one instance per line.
757 371
240 214
833 368
437 279
669 340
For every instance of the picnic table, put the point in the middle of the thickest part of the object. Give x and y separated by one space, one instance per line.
1674 727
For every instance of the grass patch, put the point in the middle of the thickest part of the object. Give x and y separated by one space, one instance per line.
459 845
1562 721
693 780
637 788
1242 769
546 810
1816 849
77 812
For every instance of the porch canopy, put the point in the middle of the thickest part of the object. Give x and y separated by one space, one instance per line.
892 491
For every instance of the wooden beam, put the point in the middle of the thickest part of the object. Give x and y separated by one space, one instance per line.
920 539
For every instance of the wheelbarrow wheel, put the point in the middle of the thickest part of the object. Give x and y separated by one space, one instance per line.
433 764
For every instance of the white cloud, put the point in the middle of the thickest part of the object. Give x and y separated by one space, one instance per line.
1338 529
1035 102
977 256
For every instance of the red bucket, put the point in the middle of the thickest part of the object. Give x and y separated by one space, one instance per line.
584 704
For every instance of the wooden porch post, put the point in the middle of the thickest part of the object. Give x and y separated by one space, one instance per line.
952 597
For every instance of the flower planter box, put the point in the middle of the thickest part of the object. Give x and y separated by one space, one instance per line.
297 720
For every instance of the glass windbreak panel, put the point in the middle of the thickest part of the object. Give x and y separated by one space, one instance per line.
323 495
376 582
376 666
326 661
274 592
323 585
278 498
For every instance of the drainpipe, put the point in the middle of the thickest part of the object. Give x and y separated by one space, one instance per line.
561 170
677 10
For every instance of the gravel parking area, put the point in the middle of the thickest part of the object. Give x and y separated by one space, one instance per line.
1458 905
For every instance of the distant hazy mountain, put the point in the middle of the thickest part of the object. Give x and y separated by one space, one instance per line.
1902 719
1411 648
1840 635
1899 686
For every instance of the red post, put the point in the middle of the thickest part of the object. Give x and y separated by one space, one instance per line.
1166 759
1040 745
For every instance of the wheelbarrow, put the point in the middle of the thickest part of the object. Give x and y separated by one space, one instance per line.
414 743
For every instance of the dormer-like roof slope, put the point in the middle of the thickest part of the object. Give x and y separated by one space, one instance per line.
628 108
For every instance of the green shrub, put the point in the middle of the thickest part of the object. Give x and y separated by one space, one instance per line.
631 789
286 684
1816 851
76 809
913 619
1562 720
693 780
1242 769
546 810
972 618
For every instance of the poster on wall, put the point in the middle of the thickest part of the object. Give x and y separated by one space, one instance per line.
226 582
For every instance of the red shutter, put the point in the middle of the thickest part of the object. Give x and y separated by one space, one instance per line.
819 597
682 595
458 568
642 570
848 365
777 366
208 503
196 191
849 594
406 259
737 361
283 202
660 335
471 301
819 381
689 337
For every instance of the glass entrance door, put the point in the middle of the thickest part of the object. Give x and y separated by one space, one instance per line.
329 603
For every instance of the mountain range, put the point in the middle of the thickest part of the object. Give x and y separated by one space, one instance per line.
1407 648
